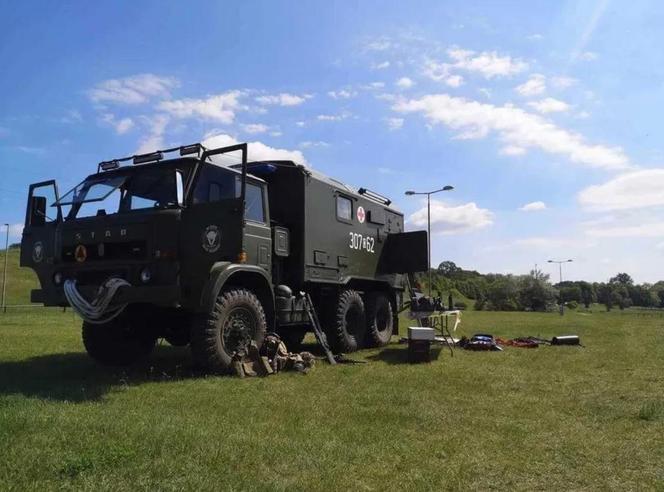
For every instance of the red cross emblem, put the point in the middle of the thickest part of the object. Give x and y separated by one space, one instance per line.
360 215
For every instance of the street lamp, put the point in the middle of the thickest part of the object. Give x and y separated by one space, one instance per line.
560 271
428 194
4 273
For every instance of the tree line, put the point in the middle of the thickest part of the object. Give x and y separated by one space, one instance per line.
535 292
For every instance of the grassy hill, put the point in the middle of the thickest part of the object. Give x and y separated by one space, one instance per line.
19 280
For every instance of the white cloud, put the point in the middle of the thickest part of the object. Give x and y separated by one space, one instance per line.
514 126
136 89
380 44
386 97
276 133
454 80
283 99
255 128
121 126
394 123
30 149
534 86
257 151
308 144
154 140
512 150
219 107
549 105
301 124
533 207
450 219
332 117
549 243
372 86
587 56
535 37
435 70
638 189
124 125
485 92
563 82
654 229
381 65
488 63
342 94
72 116
440 72
405 83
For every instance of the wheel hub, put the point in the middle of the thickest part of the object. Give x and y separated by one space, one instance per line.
239 329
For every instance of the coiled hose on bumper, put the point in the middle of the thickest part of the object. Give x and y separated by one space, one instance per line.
96 312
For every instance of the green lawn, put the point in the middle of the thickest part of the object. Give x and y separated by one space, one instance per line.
549 418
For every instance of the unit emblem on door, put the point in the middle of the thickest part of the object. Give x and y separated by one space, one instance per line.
38 252
211 239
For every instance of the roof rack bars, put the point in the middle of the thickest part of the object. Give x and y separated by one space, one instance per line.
185 150
152 156
376 197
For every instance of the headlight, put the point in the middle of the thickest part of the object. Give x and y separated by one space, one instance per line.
146 275
57 278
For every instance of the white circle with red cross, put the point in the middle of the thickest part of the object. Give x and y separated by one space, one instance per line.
360 215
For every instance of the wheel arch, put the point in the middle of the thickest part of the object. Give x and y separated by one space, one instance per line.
251 277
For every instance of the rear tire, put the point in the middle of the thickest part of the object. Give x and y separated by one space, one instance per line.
120 342
380 319
236 319
349 329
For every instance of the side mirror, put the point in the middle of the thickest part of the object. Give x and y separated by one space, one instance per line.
179 185
38 211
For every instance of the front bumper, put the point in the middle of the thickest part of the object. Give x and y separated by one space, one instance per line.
162 295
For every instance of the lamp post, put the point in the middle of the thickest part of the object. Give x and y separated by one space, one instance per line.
4 272
428 194
560 271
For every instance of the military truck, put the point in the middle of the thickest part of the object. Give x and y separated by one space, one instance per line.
215 255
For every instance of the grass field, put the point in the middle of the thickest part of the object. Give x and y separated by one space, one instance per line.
19 280
553 418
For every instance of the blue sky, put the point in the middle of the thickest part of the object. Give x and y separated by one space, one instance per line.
545 116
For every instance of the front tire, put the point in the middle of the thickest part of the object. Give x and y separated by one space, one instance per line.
236 319
120 342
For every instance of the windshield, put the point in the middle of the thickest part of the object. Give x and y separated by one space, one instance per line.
139 189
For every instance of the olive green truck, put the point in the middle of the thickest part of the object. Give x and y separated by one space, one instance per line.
215 256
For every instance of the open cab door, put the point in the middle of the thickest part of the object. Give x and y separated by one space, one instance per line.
42 217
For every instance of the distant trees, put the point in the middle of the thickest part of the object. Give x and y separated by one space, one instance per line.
588 295
534 291
622 279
